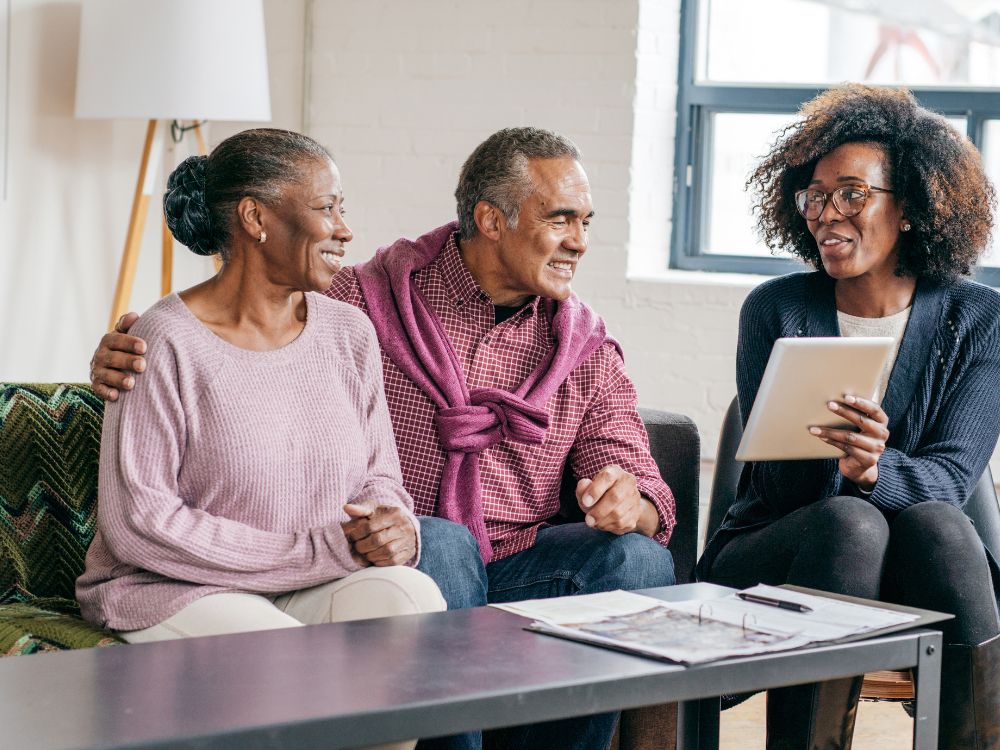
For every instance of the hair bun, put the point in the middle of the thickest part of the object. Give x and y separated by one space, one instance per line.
186 208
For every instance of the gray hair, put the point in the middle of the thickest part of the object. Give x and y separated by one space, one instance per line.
497 172
203 192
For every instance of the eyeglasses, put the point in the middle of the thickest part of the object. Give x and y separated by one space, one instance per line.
848 200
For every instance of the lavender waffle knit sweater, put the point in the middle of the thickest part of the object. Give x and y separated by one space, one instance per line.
227 469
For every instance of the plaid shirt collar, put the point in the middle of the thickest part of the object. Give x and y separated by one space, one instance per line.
462 288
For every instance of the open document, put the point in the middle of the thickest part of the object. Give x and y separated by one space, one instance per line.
701 630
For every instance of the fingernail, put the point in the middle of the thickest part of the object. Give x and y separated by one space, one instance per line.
590 521
815 430
849 398
587 501
140 348
129 382
833 405
139 365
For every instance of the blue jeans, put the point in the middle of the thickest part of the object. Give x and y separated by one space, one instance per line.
568 559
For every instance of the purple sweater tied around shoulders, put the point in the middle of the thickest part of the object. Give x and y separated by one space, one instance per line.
467 420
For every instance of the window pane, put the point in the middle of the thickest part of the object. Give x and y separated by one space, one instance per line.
991 160
738 143
915 43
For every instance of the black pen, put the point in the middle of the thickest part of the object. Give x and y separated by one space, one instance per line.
758 599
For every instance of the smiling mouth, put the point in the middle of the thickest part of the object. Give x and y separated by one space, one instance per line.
835 245
564 267
332 260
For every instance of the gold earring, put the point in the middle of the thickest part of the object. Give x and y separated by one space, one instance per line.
906 226
262 238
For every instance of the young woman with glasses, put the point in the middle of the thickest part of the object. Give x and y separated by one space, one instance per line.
890 205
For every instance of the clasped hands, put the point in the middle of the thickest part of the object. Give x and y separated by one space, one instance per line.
862 448
379 535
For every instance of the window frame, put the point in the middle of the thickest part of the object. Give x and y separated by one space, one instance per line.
698 102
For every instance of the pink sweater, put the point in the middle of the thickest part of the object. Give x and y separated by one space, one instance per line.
227 469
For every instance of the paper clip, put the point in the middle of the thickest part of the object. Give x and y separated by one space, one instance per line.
753 621
701 609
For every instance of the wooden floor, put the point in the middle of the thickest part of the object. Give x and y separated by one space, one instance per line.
881 726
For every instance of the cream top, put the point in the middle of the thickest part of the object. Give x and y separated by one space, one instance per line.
891 325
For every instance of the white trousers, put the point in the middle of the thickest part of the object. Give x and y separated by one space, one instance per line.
371 592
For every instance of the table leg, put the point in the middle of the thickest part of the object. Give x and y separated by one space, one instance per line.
927 691
698 724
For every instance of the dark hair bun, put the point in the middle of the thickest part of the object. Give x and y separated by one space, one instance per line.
186 208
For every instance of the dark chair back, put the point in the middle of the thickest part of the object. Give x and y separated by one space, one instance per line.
982 506
676 447
727 472
984 510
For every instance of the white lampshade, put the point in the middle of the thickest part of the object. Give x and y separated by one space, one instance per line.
173 59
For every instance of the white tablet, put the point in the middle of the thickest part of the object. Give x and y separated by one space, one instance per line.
801 377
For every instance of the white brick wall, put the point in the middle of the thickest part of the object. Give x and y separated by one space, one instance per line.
402 92
70 188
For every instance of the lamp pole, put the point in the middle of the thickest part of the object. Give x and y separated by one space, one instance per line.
137 222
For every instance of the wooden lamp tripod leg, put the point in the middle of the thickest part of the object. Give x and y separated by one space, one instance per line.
166 260
137 221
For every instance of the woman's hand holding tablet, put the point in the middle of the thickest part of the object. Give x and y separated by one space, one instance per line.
862 445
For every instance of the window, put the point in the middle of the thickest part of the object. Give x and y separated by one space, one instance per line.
746 67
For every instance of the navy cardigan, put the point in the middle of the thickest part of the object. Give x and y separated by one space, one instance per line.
942 400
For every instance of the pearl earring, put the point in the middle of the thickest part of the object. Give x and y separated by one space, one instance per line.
906 227
263 236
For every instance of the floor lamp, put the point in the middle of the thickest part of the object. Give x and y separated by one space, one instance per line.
168 62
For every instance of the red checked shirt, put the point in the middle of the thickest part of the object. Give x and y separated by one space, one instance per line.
593 417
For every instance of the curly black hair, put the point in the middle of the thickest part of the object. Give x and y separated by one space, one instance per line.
937 176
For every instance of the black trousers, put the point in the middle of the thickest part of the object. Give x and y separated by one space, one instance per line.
928 556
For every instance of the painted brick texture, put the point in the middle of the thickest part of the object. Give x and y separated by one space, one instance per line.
402 91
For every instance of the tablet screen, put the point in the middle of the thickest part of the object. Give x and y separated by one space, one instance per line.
801 377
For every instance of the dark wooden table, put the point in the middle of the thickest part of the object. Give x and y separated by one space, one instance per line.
362 683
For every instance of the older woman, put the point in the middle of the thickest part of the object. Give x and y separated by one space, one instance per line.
251 481
891 206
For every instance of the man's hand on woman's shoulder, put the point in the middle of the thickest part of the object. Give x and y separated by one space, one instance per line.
115 361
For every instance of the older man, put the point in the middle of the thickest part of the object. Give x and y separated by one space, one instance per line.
499 379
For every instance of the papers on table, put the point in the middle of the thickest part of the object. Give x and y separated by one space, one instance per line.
701 630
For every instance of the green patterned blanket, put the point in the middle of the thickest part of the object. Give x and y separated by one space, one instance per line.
50 438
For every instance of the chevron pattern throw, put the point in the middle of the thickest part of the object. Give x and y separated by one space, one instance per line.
50 440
